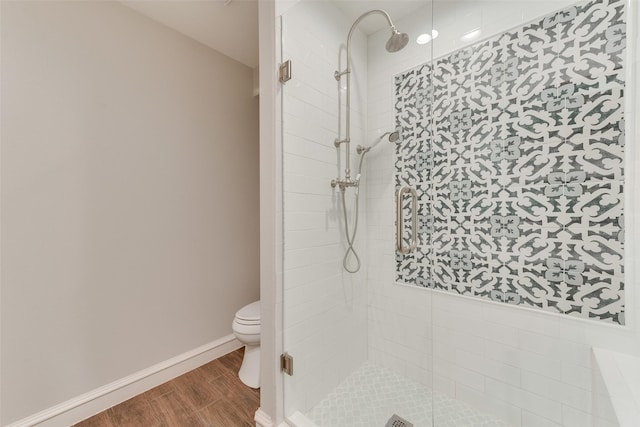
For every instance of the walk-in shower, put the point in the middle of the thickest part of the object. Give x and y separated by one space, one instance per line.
396 42
492 223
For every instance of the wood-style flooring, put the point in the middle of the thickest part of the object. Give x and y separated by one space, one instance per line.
211 396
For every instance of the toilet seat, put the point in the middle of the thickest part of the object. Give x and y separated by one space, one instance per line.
249 314
247 322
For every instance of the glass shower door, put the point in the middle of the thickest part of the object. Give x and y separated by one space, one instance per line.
325 307
360 342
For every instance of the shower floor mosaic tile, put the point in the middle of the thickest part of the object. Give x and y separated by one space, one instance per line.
372 394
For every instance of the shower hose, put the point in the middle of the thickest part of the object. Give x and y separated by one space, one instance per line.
351 237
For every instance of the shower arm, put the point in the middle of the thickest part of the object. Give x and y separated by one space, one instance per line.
347 182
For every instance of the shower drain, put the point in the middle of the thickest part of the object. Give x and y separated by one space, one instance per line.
398 421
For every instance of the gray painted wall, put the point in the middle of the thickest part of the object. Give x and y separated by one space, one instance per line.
129 198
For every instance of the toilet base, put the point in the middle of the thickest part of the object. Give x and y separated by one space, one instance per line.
250 370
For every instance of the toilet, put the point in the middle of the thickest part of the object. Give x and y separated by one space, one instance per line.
246 327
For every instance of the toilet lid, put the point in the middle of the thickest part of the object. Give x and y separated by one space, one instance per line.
249 312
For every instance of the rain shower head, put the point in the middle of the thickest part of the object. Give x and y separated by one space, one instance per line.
397 41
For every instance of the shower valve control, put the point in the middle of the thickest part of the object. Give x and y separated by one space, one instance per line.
344 183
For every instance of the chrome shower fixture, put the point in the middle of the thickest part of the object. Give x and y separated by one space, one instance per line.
389 136
351 236
396 42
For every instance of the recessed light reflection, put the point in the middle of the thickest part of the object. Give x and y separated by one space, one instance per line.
471 35
426 38
423 39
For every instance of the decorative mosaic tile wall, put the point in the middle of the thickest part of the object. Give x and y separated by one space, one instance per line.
516 148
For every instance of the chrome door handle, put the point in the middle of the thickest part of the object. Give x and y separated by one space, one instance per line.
400 221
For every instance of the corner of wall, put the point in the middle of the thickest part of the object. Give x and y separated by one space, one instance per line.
271 394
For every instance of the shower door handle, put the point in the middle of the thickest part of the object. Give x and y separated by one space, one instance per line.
400 221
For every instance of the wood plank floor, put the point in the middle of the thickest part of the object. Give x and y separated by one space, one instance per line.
211 395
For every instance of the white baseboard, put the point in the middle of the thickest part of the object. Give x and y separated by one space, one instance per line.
88 404
262 419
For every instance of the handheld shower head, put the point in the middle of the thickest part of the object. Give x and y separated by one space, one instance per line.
397 41
392 136
389 136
